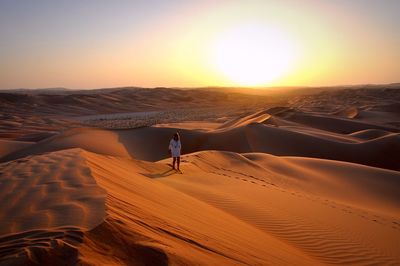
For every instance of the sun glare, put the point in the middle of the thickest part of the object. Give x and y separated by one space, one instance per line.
251 55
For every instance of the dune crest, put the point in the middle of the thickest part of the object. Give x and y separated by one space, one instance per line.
351 112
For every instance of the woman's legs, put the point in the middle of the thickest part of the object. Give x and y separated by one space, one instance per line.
173 162
178 162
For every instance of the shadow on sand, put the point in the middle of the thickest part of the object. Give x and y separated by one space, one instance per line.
160 175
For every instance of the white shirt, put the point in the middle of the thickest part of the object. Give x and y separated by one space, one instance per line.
175 147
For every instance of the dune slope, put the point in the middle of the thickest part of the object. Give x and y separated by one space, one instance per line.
47 201
226 208
357 222
154 219
10 146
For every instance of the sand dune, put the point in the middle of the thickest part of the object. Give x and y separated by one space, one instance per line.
25 112
10 146
259 117
370 134
293 205
331 178
168 226
51 199
351 112
315 182
150 143
329 123
225 208
379 106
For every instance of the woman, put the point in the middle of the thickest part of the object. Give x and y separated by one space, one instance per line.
175 150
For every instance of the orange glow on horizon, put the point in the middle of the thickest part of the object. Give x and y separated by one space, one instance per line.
250 43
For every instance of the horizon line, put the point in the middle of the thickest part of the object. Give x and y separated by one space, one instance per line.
208 86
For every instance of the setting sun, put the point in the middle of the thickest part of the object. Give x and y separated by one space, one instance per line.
251 55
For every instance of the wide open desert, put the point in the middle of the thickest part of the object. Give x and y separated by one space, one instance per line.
280 177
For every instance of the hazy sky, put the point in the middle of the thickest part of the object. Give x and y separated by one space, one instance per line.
92 44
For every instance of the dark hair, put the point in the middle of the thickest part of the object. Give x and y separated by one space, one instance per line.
176 135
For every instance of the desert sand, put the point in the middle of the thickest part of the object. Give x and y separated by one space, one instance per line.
293 179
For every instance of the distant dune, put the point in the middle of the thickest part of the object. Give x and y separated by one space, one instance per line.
25 112
287 133
289 180
10 146
118 100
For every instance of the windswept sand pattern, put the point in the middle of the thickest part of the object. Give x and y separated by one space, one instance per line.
167 221
319 226
325 242
49 197
56 246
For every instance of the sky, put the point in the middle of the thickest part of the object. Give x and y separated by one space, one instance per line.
110 43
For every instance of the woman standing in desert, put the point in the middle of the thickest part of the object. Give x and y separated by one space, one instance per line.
175 150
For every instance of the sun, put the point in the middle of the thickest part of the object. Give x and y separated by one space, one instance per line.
252 55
